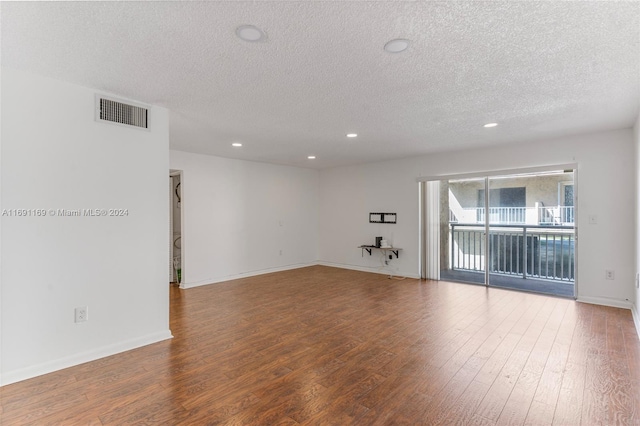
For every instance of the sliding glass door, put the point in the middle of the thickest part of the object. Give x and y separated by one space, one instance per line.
463 243
515 231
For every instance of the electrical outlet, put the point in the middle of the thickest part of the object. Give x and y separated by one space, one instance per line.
637 280
610 274
593 219
280 252
82 314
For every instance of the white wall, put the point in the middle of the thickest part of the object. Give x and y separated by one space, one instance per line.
606 188
1 223
348 195
238 215
56 156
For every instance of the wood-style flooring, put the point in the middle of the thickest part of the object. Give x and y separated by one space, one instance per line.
325 346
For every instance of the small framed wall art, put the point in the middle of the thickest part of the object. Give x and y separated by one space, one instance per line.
382 218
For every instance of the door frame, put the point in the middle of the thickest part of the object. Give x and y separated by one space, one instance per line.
180 174
423 256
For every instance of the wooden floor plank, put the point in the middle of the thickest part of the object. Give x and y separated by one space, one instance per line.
543 407
518 405
597 381
622 404
499 390
568 408
320 345
446 381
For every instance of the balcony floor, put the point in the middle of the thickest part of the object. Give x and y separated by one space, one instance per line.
556 288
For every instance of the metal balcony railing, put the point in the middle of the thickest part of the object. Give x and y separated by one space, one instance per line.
527 251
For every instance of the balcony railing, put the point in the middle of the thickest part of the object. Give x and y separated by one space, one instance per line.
503 214
556 215
527 251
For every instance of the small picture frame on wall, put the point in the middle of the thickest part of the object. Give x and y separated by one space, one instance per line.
382 217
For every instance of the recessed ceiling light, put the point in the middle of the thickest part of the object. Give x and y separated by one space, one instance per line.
236 144
311 157
250 33
352 135
396 46
491 125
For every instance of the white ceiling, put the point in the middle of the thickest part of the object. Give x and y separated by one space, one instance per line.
540 69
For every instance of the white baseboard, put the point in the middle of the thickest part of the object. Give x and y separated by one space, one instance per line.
80 358
244 275
636 319
605 301
375 270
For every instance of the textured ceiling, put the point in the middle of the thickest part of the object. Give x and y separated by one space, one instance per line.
539 68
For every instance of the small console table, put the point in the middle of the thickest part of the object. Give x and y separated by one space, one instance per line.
369 249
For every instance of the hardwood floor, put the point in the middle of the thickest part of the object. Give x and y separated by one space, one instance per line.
324 346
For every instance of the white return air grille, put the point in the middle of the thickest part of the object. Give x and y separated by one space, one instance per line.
119 112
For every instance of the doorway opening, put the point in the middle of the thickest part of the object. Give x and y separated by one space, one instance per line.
176 269
514 230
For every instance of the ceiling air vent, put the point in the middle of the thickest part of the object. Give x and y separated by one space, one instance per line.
121 113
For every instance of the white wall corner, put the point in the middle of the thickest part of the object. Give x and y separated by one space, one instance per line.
606 301
199 283
374 270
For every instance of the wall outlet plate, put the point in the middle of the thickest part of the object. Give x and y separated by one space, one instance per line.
82 314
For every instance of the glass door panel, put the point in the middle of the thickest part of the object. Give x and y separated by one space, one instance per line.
462 231
507 217
531 232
